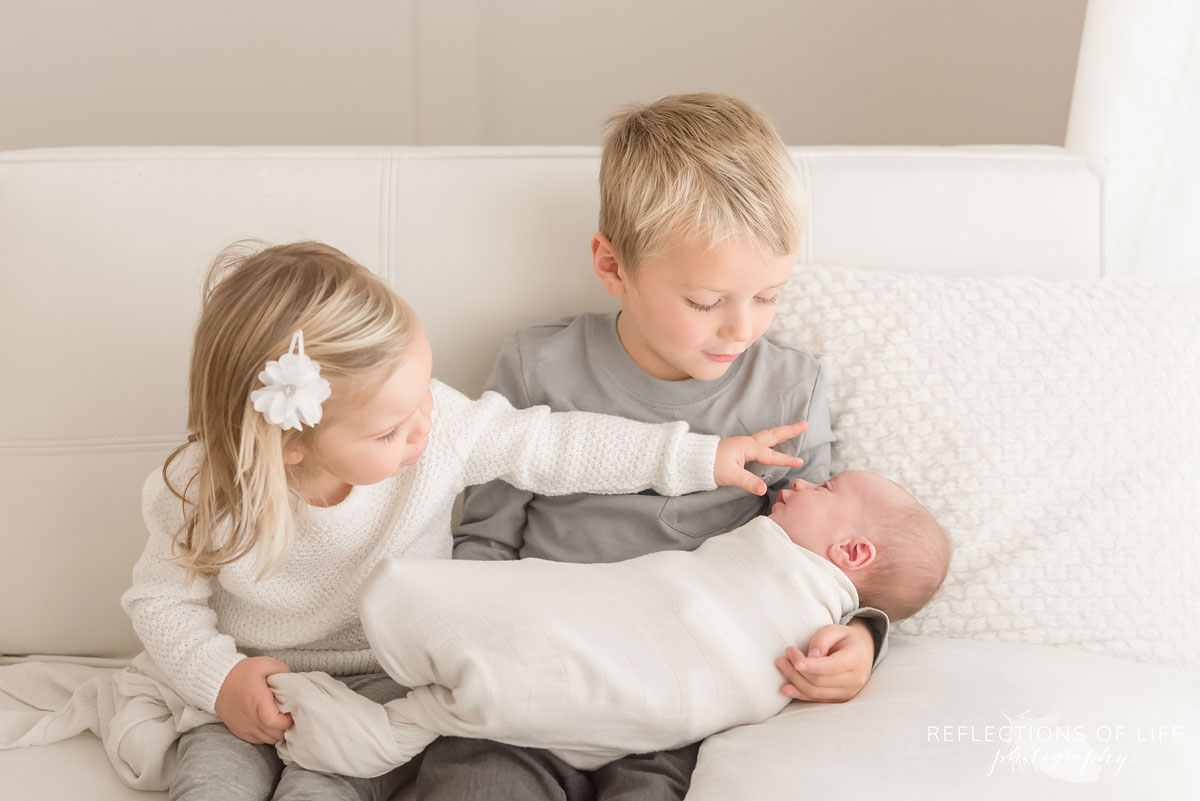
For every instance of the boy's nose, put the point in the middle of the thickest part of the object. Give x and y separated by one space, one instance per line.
737 328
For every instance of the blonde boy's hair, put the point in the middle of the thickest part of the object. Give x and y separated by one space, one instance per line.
254 300
912 556
704 164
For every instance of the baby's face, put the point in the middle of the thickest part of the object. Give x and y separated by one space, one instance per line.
817 516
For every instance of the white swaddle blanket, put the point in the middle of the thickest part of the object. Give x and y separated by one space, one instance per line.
591 661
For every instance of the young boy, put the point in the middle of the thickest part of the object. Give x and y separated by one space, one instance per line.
700 225
596 661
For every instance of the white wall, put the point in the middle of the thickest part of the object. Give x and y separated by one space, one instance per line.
141 72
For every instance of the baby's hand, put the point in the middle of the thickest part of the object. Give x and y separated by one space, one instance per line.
246 705
836 668
734 452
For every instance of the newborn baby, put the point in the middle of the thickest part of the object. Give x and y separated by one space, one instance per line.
596 661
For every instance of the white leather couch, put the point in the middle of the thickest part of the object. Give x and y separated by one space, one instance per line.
101 255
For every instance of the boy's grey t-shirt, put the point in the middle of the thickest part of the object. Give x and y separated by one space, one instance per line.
579 364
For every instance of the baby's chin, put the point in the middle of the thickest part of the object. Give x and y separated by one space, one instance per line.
774 519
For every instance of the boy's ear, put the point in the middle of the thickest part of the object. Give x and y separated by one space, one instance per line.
604 262
852 554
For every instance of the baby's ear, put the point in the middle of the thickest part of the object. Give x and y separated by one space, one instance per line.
852 554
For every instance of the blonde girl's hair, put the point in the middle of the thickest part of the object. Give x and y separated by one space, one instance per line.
704 164
254 300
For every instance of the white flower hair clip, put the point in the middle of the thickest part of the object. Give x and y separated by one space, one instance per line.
293 389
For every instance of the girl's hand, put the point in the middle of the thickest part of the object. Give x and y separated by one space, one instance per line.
836 668
246 704
734 452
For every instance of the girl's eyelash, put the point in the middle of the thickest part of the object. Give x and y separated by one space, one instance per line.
389 436
768 300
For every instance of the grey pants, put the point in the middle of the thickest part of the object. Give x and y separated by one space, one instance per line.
458 769
214 765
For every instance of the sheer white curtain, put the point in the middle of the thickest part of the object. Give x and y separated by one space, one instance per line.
1137 104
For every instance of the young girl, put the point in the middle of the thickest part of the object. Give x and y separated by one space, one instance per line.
318 445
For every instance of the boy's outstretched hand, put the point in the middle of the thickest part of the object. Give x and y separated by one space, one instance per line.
733 453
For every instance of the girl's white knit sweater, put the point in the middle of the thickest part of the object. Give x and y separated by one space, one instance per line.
304 613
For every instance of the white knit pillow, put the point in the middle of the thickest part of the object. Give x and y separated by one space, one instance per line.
1052 427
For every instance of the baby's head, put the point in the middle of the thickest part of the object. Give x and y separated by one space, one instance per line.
701 216
875 532
259 304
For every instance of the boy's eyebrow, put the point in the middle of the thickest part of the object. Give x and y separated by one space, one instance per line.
722 291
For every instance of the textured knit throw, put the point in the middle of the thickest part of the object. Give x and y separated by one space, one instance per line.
1052 426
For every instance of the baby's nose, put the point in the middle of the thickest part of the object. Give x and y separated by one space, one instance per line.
801 484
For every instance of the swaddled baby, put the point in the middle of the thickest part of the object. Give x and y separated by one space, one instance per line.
598 661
